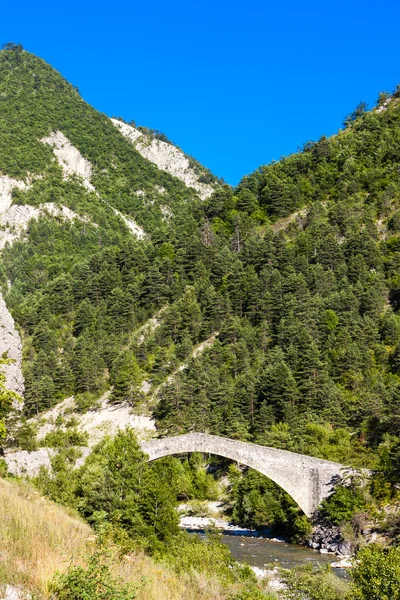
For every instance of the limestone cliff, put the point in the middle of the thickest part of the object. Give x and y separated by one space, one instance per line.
11 347
166 156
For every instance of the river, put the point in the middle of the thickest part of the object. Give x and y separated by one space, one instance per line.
263 553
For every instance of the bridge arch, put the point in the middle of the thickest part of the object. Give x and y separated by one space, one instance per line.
306 479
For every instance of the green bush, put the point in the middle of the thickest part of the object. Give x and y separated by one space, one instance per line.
344 502
187 552
3 468
64 438
22 434
313 583
86 401
94 582
252 593
376 574
301 529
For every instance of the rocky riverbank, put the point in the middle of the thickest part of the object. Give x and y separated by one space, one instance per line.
223 526
328 539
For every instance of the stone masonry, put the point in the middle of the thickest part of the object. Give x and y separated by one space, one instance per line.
306 479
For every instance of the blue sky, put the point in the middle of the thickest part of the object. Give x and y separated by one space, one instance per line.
235 84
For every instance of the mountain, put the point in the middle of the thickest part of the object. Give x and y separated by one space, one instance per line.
267 312
65 164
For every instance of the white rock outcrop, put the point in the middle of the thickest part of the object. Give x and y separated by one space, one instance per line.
166 157
109 419
11 592
7 184
383 106
14 218
17 217
137 231
72 163
105 419
69 158
23 463
28 463
11 347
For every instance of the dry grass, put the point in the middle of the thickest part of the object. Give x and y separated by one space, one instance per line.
38 538
161 583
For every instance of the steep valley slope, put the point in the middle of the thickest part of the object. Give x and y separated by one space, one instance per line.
268 312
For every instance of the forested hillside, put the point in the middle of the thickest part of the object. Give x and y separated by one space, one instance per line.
292 278
299 272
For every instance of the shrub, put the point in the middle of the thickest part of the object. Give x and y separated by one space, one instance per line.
252 593
209 556
301 529
63 438
376 576
95 582
347 499
313 583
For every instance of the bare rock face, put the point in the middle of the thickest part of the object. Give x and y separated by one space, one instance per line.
69 158
28 463
16 219
72 162
7 184
11 346
103 420
166 157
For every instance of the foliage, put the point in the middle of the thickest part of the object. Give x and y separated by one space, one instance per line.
21 433
252 593
117 486
93 582
313 583
256 501
292 275
376 574
348 498
60 483
188 552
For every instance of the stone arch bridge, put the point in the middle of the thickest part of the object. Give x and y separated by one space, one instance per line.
306 479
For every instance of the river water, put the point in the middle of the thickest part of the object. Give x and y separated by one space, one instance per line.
263 553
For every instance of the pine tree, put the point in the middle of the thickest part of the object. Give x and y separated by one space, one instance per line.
277 387
127 381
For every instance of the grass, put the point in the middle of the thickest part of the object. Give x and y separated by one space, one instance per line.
39 538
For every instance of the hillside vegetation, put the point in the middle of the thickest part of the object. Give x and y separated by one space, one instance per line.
37 537
306 311
268 312
51 553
